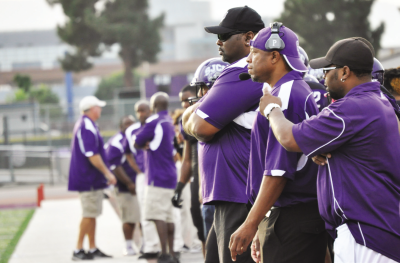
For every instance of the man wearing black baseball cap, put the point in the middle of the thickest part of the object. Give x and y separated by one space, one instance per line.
222 121
358 184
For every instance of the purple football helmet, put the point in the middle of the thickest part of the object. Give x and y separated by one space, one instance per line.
206 74
303 56
310 78
378 71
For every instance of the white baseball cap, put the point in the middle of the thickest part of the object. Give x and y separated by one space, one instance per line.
90 101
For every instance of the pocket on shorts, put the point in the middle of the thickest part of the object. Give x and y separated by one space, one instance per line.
315 227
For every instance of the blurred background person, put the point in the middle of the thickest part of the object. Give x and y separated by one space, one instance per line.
135 157
88 174
126 178
156 138
392 82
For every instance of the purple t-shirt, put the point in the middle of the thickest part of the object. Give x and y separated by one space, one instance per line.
223 162
360 185
269 158
86 142
115 154
130 135
159 158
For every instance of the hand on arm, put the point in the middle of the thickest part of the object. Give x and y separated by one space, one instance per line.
270 190
281 127
97 162
322 158
124 178
197 127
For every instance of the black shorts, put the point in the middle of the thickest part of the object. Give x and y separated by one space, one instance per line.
228 218
293 234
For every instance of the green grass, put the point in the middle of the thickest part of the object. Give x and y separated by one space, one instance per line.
13 223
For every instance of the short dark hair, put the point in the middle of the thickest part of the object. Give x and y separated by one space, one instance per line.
361 72
191 89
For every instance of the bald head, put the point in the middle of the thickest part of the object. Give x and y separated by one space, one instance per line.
159 102
125 122
142 109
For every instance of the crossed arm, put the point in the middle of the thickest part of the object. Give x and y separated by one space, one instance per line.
195 126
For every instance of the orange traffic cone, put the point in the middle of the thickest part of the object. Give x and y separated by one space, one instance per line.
40 194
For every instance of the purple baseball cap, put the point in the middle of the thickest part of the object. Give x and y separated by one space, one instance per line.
291 50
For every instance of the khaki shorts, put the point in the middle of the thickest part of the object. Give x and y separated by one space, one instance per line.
129 206
92 203
157 203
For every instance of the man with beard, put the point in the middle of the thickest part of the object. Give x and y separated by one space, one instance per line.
222 121
359 183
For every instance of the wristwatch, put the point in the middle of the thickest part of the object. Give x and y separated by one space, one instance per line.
269 108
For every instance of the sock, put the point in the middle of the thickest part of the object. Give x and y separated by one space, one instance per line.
129 243
77 250
92 250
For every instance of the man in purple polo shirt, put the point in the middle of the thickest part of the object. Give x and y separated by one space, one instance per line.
359 184
135 157
157 137
283 181
126 177
222 121
88 173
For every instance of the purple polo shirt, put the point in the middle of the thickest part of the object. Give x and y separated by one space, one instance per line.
159 158
223 162
115 154
86 142
360 185
269 158
130 135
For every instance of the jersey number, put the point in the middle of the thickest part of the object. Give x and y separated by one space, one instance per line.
317 97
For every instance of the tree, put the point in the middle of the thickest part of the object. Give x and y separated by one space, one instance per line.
121 22
23 82
320 23
108 85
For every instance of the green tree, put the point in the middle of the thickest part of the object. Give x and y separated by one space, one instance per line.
120 22
43 94
110 84
320 23
23 82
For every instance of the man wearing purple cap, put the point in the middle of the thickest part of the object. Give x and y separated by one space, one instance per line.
222 121
88 174
359 183
280 181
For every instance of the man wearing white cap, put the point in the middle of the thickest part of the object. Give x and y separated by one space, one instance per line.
88 174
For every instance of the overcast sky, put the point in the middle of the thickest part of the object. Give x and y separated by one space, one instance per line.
36 14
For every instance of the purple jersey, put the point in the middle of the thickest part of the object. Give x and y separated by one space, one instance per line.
159 162
223 162
86 142
115 154
360 185
320 94
130 135
271 159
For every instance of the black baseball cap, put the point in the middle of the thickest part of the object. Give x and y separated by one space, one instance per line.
354 52
238 19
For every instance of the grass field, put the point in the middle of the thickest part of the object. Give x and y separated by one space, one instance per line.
13 223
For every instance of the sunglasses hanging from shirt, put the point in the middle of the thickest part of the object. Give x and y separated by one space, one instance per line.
275 41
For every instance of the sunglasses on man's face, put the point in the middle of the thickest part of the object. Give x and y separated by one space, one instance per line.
226 36
326 70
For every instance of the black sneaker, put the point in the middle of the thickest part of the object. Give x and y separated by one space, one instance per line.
165 258
81 255
98 254
148 255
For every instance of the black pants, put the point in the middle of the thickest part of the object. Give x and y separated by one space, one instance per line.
293 234
195 209
228 218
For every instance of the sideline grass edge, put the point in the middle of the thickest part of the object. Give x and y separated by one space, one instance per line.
13 243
